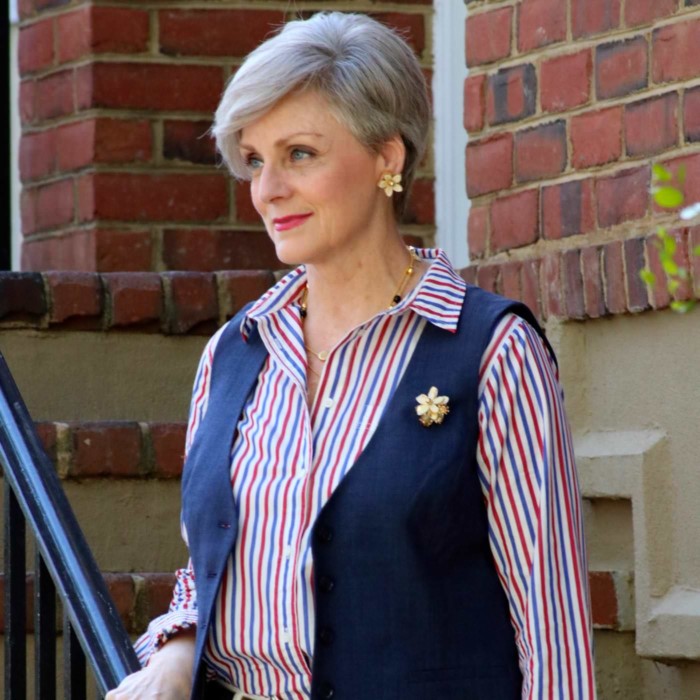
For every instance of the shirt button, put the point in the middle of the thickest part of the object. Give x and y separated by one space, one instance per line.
285 635
328 402
287 552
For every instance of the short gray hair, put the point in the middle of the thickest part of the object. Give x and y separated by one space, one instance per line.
369 75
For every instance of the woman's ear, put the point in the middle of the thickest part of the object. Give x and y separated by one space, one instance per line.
392 156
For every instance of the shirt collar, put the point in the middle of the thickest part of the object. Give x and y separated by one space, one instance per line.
438 296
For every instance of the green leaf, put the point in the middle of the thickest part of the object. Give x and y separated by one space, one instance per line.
668 197
680 174
648 277
696 250
673 285
682 273
682 307
670 267
661 173
670 245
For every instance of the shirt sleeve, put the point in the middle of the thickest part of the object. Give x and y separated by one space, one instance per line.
182 612
528 476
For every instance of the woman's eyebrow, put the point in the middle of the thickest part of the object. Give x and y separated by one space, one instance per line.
285 139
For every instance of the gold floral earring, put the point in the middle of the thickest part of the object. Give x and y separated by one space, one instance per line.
390 184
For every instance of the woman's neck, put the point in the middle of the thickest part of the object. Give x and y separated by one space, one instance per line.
344 292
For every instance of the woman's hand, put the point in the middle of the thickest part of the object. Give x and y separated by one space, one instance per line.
168 675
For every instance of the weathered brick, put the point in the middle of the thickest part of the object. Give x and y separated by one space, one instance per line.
530 285
691 165
27 101
130 86
567 209
694 242
71 250
35 50
489 164
207 250
510 280
540 23
540 152
603 599
550 280
646 11
637 296
614 272
674 51
245 211
468 274
238 287
21 296
37 155
47 433
133 298
53 95
420 208
74 294
122 251
596 137
91 29
154 598
51 205
168 443
106 449
590 17
515 220
410 26
512 94
593 290
474 102
188 141
651 126
565 81
488 277
488 36
478 231
658 292
148 197
691 114
623 196
621 67
192 302
573 284
122 590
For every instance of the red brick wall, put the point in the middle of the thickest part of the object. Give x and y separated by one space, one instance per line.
567 104
117 171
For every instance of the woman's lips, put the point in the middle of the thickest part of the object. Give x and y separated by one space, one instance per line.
284 223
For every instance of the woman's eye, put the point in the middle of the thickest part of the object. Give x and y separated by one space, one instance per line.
300 154
253 162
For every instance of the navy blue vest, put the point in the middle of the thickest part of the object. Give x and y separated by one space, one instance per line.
408 603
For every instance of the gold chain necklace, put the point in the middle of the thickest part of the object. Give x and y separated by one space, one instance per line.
408 273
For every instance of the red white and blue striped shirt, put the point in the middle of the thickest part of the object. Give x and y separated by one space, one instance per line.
287 460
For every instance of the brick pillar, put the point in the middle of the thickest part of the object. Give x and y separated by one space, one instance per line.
117 169
568 104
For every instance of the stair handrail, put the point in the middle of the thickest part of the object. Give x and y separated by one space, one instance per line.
79 583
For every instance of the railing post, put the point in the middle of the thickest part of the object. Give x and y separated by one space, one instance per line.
74 667
15 599
44 632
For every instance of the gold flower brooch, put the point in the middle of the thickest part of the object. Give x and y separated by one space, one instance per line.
431 408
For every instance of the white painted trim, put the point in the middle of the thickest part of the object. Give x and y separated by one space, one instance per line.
451 203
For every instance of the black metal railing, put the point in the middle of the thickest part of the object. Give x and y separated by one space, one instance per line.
64 566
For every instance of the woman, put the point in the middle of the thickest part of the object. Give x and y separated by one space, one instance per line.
379 494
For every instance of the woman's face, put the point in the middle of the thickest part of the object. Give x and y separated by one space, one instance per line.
312 182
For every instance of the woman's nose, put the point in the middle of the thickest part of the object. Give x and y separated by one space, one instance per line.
272 184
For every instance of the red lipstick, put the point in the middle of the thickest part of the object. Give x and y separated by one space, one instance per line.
284 223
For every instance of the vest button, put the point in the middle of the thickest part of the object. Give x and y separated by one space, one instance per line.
327 691
324 534
326 584
327 636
